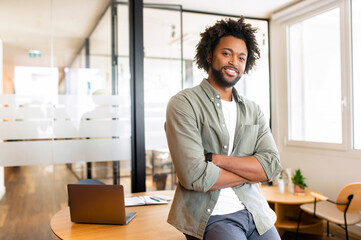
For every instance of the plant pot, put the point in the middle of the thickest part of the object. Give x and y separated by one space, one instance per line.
298 189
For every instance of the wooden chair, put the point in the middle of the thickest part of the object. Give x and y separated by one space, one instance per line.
345 211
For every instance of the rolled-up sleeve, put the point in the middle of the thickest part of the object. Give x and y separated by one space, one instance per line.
185 146
266 150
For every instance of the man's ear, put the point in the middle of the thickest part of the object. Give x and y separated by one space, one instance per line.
209 58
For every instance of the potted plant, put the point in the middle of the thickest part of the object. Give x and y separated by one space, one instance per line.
299 181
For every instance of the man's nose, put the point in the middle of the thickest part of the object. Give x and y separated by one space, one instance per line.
233 61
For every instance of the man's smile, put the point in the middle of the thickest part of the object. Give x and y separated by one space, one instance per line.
231 71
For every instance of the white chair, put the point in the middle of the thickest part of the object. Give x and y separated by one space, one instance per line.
345 211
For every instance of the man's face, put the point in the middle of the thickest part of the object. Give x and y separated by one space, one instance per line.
228 61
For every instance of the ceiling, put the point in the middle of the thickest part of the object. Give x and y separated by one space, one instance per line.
62 25
29 24
249 8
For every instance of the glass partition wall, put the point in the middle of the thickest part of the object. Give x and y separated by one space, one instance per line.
88 125
64 115
111 91
163 77
169 67
66 107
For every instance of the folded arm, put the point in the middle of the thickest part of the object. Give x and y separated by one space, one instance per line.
248 167
262 165
229 179
187 152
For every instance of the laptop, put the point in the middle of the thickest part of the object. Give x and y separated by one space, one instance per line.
103 204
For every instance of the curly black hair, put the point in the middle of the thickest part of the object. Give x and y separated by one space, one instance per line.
227 27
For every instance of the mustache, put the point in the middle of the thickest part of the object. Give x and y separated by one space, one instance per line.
232 67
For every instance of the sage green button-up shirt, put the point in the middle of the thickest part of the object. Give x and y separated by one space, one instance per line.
194 126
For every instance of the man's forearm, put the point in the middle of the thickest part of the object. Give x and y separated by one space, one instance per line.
228 179
246 167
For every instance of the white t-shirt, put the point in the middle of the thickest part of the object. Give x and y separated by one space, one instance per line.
228 201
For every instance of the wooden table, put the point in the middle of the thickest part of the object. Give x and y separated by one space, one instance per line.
150 223
287 208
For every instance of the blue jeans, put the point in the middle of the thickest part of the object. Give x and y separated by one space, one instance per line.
235 226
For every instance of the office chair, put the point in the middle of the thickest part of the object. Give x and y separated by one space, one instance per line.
345 211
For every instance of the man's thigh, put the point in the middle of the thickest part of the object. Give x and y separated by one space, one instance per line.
237 226
224 230
230 226
271 234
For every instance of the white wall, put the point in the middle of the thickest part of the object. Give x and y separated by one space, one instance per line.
325 174
326 170
2 186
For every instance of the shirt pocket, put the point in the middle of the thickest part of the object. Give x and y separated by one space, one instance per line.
248 141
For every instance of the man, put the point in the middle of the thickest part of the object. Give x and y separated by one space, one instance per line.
221 145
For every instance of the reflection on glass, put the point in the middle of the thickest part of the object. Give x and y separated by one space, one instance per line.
100 51
315 79
85 81
36 81
356 54
123 83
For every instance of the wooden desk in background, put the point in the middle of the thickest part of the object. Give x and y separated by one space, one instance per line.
287 208
150 223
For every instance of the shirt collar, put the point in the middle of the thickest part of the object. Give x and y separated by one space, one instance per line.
213 94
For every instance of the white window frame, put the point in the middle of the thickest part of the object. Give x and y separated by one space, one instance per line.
280 22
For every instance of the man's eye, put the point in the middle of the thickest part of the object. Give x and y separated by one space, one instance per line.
226 54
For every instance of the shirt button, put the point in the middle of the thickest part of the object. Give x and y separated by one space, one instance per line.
208 210
217 104
218 96
212 98
223 125
225 146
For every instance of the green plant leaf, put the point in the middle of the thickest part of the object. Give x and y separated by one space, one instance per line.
299 179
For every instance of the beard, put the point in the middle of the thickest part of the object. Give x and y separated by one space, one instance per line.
221 80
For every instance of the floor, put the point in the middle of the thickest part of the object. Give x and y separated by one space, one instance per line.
35 193
336 235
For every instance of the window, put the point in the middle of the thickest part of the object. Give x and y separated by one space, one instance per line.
323 87
356 54
314 57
